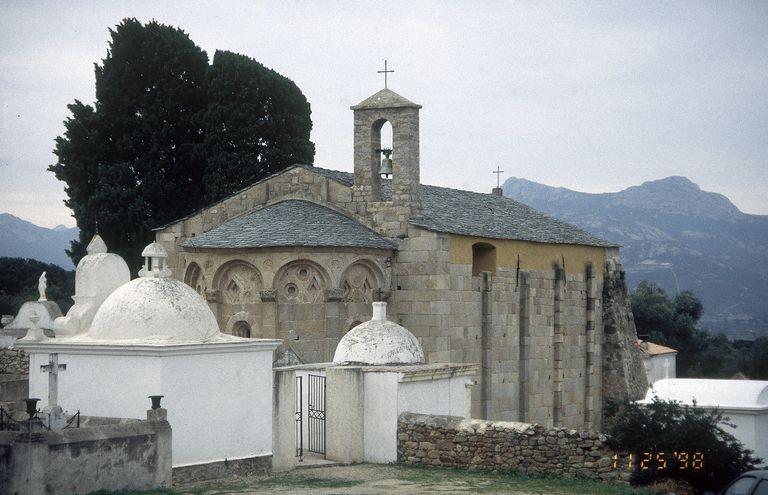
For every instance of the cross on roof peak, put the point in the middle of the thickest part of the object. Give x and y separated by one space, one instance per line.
498 173
385 72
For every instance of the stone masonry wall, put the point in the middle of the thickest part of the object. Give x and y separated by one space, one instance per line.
447 441
624 375
537 338
13 362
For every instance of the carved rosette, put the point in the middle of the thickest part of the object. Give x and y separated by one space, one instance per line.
300 282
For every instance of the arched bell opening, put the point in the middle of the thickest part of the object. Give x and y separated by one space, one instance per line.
382 149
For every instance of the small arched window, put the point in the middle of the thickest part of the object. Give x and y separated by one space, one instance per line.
483 258
241 329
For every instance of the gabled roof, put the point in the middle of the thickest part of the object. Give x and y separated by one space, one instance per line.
290 223
655 349
455 211
386 98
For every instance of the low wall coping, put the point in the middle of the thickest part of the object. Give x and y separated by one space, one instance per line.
85 434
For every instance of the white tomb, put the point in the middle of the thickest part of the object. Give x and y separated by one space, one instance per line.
37 316
745 402
98 274
156 336
379 372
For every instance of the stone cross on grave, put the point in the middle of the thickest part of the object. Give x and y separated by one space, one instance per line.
55 413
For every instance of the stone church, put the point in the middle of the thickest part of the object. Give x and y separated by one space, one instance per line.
478 278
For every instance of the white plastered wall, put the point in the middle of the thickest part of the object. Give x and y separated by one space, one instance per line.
751 430
219 404
387 396
660 367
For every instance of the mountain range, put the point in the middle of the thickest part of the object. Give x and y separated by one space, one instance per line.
22 239
678 236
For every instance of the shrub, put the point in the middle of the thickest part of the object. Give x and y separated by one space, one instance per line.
670 427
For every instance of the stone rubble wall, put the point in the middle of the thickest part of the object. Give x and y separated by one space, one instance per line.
448 441
14 362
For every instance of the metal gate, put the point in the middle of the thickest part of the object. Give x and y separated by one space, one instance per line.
316 414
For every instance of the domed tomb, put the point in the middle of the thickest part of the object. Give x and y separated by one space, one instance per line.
97 275
155 307
379 342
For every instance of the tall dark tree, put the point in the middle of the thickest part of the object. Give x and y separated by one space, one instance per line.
129 163
257 122
169 133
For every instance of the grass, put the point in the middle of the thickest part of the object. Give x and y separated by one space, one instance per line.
421 479
487 482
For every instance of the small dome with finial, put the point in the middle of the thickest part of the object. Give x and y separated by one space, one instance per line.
379 342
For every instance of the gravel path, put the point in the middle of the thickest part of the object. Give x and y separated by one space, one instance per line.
371 479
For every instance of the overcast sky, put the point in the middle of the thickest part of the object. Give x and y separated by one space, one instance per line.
589 96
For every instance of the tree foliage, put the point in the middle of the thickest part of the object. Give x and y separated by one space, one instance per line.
18 284
673 322
168 134
668 427
256 124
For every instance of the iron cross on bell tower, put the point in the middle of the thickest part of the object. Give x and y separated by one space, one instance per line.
385 72
497 191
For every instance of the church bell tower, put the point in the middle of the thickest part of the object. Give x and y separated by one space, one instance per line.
369 116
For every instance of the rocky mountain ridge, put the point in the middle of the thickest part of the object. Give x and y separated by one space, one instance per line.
678 236
22 239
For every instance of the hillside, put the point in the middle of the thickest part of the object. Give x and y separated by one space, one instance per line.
22 239
676 235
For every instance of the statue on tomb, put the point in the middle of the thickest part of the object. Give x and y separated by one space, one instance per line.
42 285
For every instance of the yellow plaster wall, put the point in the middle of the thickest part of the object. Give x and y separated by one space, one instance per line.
533 255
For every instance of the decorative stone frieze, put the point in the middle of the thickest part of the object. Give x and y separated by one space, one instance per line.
268 295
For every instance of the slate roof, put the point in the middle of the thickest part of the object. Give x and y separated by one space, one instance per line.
386 98
469 213
291 223
455 211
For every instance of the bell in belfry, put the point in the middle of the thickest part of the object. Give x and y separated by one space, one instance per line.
386 163
386 166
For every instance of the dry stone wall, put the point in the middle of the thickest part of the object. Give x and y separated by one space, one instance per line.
448 441
14 362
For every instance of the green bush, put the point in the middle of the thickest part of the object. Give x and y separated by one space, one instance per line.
669 427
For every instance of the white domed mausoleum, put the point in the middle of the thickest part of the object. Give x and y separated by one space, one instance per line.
156 336
379 341
155 307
